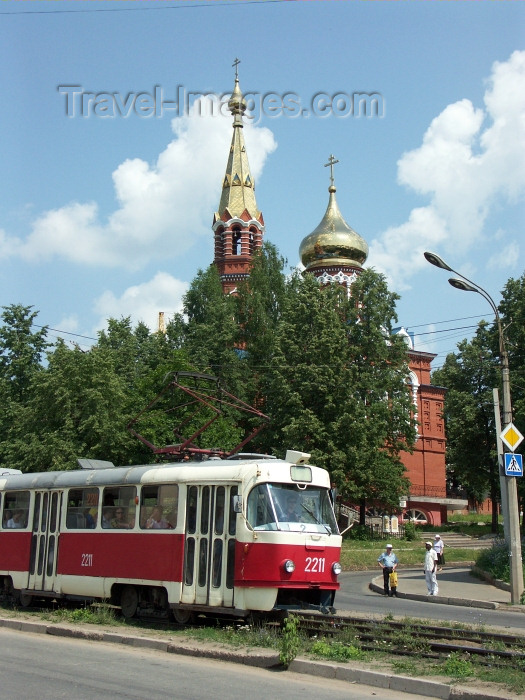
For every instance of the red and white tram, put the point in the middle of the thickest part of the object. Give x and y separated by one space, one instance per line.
225 536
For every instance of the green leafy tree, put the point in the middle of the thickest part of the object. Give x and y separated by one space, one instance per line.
512 311
470 376
337 386
76 409
21 348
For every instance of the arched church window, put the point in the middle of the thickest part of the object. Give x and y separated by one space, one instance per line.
252 240
236 241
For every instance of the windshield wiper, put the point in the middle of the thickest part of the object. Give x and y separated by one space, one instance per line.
326 527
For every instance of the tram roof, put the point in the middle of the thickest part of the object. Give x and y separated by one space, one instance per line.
186 472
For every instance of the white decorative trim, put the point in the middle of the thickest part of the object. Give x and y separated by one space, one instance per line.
243 224
339 278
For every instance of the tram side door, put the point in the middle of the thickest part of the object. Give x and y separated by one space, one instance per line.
209 560
44 540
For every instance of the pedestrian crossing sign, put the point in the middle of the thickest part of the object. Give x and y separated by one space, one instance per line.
513 464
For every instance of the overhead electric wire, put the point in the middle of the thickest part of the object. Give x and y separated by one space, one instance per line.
144 8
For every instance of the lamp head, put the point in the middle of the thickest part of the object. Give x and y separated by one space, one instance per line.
461 284
434 259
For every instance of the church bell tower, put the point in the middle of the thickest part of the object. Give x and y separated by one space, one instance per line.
238 225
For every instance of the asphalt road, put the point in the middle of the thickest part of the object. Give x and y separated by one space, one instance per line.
50 668
355 597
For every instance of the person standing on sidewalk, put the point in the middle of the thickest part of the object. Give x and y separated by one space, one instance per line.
430 568
388 562
438 546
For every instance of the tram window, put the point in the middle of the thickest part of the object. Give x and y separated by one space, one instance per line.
218 525
230 563
191 510
54 513
36 513
232 516
82 509
16 510
259 509
43 526
159 507
189 556
50 568
203 561
217 564
205 510
119 507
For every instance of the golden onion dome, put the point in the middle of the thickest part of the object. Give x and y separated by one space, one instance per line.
333 243
237 103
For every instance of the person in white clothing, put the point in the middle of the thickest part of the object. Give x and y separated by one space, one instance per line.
438 546
430 568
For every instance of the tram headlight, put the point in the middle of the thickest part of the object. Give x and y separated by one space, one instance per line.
337 568
289 566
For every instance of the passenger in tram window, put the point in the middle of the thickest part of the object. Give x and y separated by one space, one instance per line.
7 516
292 503
120 522
106 517
172 518
90 520
156 520
16 521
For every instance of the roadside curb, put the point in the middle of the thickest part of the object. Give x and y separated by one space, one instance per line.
376 585
466 602
262 658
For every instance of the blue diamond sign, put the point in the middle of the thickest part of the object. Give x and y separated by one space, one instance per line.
513 464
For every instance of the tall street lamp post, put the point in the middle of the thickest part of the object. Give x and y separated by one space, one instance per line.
509 492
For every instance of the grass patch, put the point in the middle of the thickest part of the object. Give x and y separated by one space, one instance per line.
96 614
359 555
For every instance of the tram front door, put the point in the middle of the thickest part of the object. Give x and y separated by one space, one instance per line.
44 541
209 555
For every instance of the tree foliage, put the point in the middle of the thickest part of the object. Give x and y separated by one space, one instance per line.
470 376
326 368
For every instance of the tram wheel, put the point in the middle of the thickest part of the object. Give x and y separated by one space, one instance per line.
129 601
182 616
24 599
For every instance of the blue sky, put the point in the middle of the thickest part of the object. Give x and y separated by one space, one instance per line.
105 215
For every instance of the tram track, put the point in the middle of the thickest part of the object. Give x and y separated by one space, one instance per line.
391 637
417 640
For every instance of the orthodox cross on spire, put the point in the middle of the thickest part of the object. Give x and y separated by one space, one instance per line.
235 65
331 162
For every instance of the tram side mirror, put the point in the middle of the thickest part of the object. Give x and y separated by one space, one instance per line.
237 504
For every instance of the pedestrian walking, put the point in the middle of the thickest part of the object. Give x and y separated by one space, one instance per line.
438 546
430 568
388 562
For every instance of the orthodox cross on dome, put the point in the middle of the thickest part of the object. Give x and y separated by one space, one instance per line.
331 162
235 65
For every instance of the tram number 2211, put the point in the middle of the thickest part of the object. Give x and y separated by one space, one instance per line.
315 565
87 560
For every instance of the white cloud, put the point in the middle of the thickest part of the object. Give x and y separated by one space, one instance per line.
470 160
142 302
504 259
163 208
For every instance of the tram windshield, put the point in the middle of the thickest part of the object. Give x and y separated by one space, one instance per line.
286 507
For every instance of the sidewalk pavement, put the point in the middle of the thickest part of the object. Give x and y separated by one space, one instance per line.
263 658
457 586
